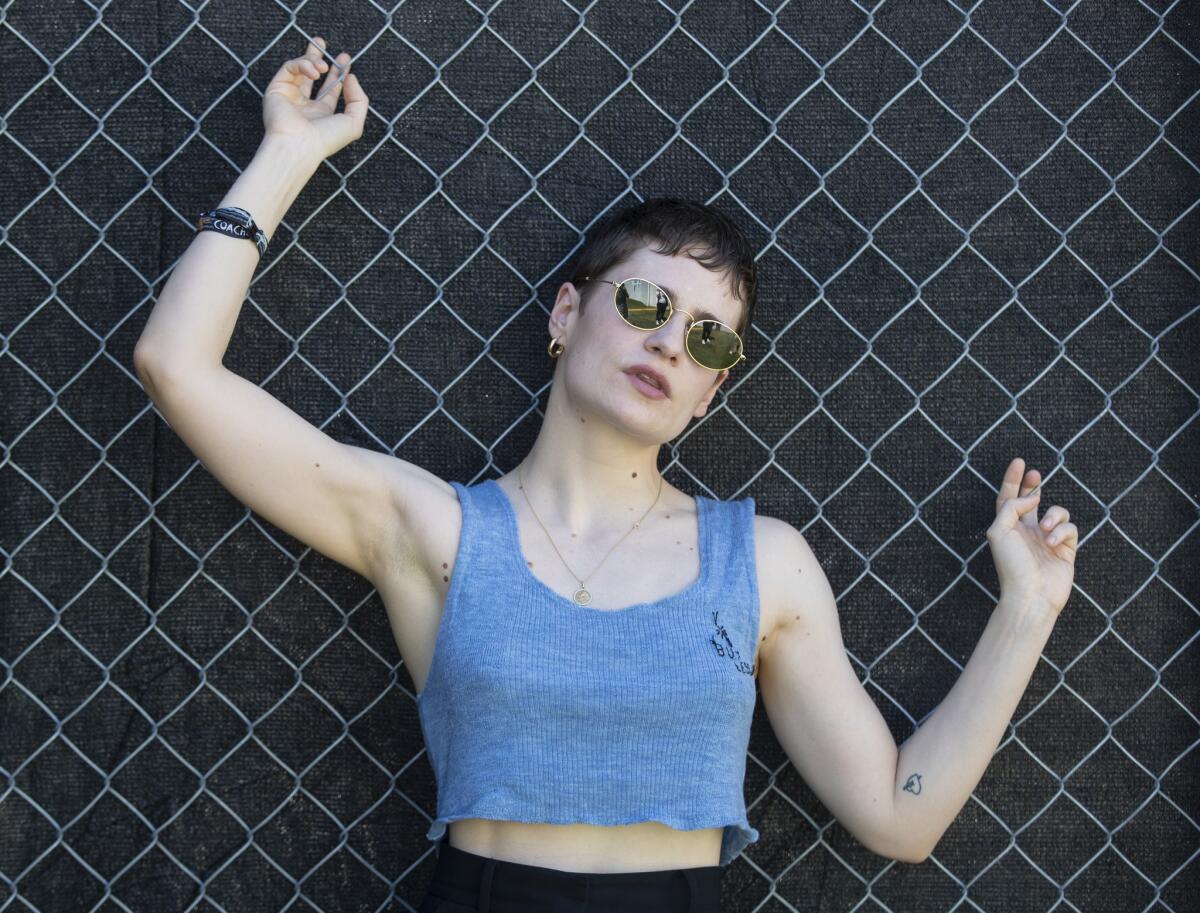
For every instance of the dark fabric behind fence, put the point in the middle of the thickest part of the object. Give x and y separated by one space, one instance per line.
976 229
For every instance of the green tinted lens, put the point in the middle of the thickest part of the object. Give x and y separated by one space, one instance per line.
643 304
714 345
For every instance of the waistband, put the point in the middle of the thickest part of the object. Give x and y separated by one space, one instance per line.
501 886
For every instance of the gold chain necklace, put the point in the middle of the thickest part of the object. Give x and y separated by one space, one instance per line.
581 595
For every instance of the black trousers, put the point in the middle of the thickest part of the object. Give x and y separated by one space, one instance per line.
467 883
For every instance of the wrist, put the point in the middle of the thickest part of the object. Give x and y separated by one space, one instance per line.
271 182
289 156
1030 610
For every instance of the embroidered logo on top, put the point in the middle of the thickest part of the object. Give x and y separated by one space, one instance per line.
724 647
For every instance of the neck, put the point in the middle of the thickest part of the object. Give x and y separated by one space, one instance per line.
582 480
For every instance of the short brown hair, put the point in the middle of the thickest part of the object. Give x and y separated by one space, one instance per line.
668 226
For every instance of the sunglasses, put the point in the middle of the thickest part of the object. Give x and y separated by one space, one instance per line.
645 306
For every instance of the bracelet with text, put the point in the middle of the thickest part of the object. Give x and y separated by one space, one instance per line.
235 222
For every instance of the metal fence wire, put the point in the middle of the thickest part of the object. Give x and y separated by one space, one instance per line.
976 230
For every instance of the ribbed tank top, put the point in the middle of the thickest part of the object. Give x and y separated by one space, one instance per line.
537 709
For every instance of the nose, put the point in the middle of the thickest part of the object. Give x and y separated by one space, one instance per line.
668 338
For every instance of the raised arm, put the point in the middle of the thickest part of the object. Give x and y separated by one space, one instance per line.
193 320
337 498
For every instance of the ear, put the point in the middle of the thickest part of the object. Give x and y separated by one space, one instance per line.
702 406
565 303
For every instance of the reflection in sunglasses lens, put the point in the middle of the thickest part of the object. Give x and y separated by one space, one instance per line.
713 344
642 303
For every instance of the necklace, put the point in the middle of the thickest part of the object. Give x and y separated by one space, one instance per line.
581 595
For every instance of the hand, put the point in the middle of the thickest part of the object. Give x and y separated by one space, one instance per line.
1035 562
289 112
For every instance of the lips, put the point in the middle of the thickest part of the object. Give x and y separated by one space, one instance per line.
662 383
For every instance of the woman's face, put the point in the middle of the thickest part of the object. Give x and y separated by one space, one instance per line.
601 346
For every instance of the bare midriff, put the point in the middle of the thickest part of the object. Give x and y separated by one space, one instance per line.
646 846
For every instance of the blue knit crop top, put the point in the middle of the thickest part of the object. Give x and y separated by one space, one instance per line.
537 709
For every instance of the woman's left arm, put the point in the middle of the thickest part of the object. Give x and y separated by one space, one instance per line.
940 765
899 802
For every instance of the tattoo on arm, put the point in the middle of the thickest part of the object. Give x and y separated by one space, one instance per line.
913 784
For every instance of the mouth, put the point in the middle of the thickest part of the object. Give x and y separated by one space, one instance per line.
649 382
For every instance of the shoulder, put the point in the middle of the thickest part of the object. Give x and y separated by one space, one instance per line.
787 568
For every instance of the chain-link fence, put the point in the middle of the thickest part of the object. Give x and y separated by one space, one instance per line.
976 228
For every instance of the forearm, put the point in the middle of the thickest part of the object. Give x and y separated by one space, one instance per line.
943 761
193 319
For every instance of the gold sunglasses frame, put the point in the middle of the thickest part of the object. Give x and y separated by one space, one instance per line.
672 308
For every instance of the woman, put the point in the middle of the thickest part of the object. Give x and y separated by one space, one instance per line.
585 640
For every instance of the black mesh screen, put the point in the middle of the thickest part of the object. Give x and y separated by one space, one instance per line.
976 236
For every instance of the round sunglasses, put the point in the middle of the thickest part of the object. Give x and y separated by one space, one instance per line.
645 306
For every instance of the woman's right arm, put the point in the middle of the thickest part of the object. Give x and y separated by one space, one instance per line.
337 498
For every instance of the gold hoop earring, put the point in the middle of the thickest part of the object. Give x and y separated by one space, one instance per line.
555 352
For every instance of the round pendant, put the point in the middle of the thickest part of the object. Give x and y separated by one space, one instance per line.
582 596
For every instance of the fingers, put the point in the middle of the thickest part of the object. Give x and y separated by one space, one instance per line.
1053 516
1023 505
1022 486
356 103
301 71
1057 527
331 88
315 64
307 71
1010 484
1065 532
1031 481
1020 492
1011 513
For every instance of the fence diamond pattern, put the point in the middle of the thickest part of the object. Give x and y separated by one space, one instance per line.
976 227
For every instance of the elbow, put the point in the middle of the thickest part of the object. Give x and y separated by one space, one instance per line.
144 371
143 364
900 850
901 854
911 855
153 371
158 371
